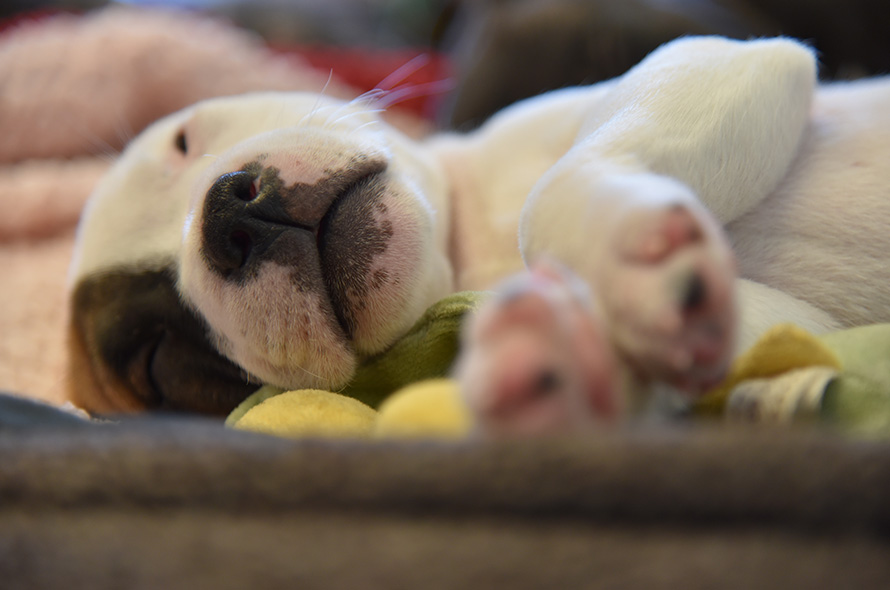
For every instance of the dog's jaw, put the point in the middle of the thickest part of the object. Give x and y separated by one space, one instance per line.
345 276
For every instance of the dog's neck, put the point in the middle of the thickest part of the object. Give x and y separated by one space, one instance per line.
482 243
491 171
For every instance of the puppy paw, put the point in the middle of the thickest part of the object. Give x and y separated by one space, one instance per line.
536 358
667 289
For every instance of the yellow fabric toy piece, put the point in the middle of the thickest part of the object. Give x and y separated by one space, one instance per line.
431 408
309 412
782 349
428 409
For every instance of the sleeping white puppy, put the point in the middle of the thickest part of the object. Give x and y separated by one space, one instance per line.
281 238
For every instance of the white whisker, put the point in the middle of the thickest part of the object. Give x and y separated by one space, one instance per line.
124 129
406 92
310 373
101 146
371 97
307 119
366 97
403 71
363 125
347 116
387 93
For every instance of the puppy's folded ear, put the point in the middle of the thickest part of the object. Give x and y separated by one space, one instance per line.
135 345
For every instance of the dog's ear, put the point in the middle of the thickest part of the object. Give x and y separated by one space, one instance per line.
135 345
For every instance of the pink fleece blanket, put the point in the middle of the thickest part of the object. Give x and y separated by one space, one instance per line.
73 90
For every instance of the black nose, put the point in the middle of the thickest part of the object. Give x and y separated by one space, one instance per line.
250 215
238 227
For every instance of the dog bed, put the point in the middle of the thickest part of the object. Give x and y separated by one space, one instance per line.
163 502
184 503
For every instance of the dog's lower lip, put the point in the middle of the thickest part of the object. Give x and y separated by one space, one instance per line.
324 223
321 229
322 232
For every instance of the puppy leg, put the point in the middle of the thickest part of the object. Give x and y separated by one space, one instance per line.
724 117
700 132
659 266
536 359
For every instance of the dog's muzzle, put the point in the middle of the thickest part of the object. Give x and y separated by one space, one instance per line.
324 231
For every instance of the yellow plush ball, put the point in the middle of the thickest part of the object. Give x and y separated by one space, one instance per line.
309 412
426 409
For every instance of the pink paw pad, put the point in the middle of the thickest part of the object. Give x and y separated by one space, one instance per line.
536 359
674 229
669 296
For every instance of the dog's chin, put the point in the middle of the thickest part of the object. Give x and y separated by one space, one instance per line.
324 300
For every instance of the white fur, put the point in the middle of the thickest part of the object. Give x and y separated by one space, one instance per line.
724 129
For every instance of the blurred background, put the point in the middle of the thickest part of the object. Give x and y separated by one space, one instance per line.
495 52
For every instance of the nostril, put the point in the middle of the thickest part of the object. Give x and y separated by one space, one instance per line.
233 187
243 244
247 191
235 226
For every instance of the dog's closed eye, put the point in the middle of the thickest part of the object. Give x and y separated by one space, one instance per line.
181 142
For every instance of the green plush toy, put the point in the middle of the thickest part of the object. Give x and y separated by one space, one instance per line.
858 400
840 379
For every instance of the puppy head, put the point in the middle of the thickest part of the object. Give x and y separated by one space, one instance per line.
269 238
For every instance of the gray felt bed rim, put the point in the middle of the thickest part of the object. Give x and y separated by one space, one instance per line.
775 508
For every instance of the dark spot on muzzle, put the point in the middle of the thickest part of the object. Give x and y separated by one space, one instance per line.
327 233
247 212
358 232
